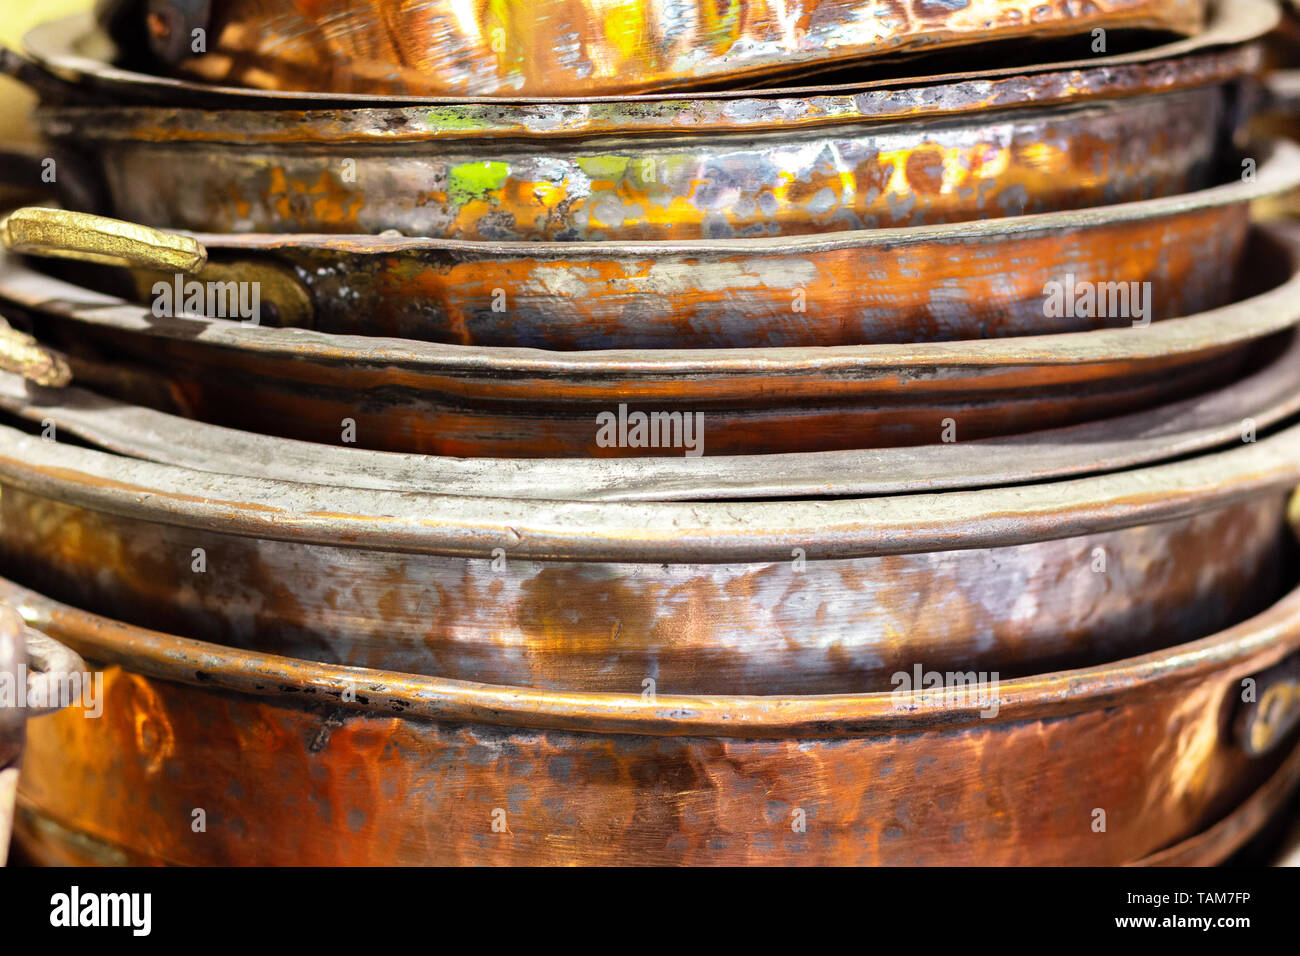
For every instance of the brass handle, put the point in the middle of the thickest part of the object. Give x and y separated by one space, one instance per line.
20 353
151 254
39 231
1274 712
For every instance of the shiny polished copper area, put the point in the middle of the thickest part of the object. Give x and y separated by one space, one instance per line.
521 403
679 169
594 47
981 279
803 596
71 60
302 763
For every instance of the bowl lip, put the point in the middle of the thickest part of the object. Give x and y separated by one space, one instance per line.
621 532
684 122
53 47
1264 397
1231 654
1237 323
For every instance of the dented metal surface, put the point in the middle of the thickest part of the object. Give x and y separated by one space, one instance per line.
614 636
689 172
410 770
585 47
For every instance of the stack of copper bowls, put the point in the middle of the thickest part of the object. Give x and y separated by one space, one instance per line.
574 432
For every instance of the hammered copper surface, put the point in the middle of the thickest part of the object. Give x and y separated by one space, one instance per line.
447 172
291 769
584 47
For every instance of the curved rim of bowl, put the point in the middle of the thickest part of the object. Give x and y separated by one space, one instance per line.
655 532
1266 396
1251 646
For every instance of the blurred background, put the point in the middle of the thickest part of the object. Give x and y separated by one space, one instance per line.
16 18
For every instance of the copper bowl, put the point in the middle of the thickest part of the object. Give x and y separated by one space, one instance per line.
583 47
787 596
681 170
983 279
1156 759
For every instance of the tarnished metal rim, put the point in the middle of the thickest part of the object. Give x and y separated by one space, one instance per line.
1264 397
1278 171
644 532
694 118
1248 320
54 46
1253 645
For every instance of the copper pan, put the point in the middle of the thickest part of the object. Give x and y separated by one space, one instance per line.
682 171
583 47
1259 400
1155 759
72 60
792 596
944 282
467 401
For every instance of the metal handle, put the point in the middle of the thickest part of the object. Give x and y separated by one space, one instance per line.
1274 712
151 254
26 71
49 663
20 353
39 231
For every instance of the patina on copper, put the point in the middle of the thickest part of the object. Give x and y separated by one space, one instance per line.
679 170
585 47
519 403
800 596
303 763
